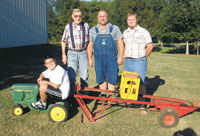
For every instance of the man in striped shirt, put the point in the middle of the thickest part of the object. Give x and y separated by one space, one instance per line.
76 37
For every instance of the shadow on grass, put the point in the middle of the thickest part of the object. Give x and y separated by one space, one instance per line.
24 64
109 113
177 50
173 49
157 49
185 132
152 84
26 110
73 107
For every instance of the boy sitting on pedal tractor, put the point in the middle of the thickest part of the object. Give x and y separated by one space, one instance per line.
58 83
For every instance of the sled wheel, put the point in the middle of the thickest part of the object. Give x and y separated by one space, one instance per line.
58 113
17 110
168 118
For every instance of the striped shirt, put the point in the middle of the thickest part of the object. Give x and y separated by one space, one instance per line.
136 41
78 36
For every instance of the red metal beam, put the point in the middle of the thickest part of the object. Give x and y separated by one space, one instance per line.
181 110
165 98
85 110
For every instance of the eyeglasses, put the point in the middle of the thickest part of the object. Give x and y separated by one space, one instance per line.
77 16
49 62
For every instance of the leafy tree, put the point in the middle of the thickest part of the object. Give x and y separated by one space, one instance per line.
94 7
195 17
63 9
147 10
85 11
52 21
118 11
167 20
177 22
146 15
157 6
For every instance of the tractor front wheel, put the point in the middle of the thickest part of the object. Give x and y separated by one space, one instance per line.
17 110
58 113
168 118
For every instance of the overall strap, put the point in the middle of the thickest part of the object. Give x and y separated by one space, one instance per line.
97 31
111 28
83 30
71 35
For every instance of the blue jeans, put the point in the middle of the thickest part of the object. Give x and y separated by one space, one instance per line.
77 60
137 65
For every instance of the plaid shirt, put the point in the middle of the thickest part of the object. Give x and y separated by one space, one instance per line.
78 36
136 41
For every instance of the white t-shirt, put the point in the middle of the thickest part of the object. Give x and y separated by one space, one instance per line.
59 76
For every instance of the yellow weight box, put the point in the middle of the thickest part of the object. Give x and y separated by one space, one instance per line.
129 87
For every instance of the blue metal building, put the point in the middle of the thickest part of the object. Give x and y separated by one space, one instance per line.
23 22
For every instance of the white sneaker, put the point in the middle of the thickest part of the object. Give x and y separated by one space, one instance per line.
39 105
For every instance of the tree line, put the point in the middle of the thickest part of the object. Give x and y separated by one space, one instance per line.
167 20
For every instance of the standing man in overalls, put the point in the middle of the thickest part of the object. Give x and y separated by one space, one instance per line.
102 42
76 36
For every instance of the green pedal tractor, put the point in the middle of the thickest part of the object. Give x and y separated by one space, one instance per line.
25 94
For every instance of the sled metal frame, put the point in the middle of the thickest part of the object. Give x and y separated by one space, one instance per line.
182 107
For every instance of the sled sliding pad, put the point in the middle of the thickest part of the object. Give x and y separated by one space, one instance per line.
129 86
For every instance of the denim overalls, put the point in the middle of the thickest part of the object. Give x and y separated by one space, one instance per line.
105 53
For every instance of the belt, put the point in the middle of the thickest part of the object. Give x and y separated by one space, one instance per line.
77 50
134 58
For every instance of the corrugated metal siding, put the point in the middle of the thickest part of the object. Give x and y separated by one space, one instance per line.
23 22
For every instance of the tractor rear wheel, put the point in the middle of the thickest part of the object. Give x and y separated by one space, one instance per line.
168 118
17 110
58 113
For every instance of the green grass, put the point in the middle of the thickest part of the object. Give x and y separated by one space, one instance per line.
169 75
